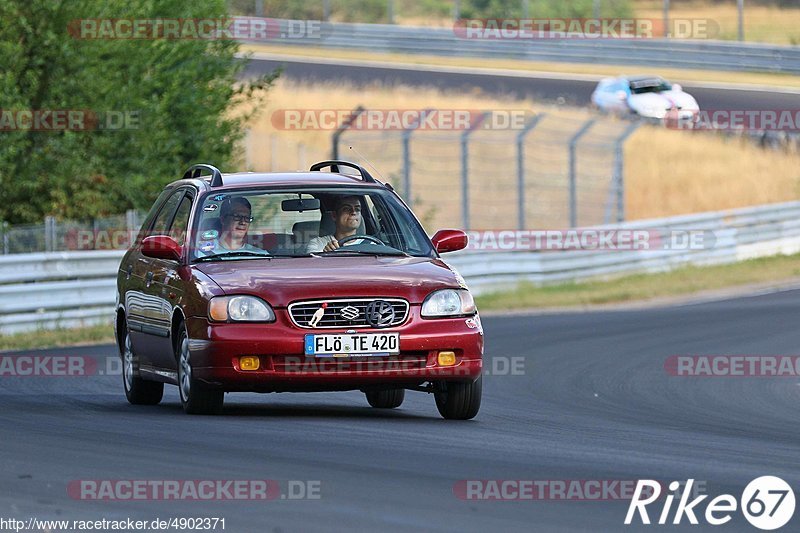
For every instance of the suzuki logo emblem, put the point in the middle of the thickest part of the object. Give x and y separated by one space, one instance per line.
349 312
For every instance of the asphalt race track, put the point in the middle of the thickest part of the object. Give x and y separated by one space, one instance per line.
589 400
572 92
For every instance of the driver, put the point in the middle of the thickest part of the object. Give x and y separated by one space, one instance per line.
347 217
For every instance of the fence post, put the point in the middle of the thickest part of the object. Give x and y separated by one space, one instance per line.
573 172
465 170
49 233
338 133
406 138
131 223
617 188
4 228
521 168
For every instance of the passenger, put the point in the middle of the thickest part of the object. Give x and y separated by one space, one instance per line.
235 218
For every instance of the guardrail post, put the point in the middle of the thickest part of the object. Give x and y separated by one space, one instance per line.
521 168
49 233
573 172
465 170
4 227
617 188
338 133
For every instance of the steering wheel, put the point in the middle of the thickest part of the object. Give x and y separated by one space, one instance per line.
375 240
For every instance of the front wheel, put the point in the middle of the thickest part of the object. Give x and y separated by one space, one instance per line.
137 390
196 397
459 401
386 399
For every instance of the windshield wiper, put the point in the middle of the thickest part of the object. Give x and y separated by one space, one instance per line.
334 253
233 254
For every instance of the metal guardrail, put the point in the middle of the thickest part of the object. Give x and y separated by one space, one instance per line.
653 53
67 289
57 289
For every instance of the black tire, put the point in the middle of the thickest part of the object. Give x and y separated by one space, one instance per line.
386 399
458 400
138 391
196 397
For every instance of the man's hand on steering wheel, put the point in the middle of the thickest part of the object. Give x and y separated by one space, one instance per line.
334 244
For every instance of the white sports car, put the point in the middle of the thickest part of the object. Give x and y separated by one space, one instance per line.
647 96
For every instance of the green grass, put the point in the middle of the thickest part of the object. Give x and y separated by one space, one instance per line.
99 334
641 287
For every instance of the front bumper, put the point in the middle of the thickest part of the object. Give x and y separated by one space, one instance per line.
215 350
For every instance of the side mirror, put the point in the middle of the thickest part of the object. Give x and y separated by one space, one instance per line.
161 247
677 87
449 240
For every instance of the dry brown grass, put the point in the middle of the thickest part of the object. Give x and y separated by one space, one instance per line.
667 172
764 24
674 172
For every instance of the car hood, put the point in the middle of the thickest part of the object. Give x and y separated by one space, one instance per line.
284 280
655 104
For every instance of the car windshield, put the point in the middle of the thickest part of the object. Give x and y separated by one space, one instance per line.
257 224
654 85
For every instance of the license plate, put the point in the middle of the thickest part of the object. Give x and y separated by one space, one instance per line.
345 345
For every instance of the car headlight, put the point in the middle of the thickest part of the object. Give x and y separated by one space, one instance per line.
448 302
240 309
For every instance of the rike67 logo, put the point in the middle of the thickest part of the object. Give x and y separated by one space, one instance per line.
767 503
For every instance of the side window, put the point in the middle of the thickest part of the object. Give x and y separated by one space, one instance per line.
181 222
148 220
165 214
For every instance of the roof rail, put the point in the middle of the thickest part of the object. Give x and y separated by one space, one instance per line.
195 170
365 176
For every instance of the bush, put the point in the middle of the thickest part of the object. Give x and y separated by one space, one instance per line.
181 92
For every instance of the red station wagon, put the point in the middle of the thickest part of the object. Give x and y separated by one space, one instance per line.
290 282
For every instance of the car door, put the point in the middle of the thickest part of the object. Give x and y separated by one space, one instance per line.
168 287
144 307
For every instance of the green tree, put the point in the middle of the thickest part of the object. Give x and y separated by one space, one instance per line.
181 98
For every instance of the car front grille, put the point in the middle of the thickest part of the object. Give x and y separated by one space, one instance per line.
347 313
